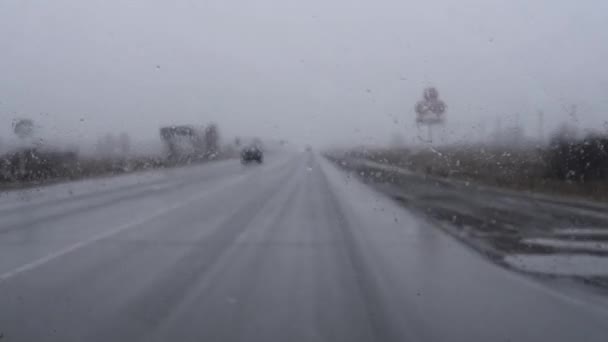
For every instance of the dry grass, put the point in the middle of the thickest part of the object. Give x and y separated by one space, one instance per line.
524 169
52 168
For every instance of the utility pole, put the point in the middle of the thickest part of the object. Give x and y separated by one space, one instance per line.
541 125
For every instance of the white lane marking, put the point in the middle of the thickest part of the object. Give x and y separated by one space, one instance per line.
46 259
55 255
39 262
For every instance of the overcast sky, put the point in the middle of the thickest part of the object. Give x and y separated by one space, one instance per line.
320 71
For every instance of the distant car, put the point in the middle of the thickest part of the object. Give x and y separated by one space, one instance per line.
252 153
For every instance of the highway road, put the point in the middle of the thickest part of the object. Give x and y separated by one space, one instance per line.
291 250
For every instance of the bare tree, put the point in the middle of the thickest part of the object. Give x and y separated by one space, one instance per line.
212 139
23 128
106 146
124 142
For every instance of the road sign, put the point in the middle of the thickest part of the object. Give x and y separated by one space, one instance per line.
431 109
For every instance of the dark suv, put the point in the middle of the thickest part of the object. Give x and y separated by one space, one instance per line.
252 153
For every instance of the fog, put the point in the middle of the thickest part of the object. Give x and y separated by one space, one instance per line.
321 72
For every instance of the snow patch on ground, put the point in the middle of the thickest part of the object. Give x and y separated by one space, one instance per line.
593 246
560 264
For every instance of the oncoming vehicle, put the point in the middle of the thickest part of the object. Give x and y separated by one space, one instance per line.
252 153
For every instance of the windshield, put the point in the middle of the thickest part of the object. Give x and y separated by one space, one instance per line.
281 170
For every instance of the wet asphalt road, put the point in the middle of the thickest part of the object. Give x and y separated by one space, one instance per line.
292 250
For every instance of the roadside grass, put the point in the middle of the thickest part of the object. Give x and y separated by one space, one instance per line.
41 168
523 169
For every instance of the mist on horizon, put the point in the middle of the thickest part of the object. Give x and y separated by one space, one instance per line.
317 72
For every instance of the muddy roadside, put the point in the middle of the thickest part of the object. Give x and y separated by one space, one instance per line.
543 235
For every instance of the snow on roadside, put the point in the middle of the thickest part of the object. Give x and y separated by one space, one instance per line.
594 246
560 264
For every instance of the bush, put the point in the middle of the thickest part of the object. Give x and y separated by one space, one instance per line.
33 165
582 160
